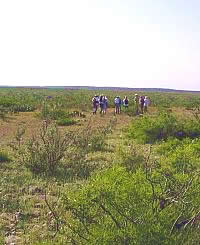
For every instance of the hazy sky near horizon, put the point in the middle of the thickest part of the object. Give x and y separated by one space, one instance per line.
127 43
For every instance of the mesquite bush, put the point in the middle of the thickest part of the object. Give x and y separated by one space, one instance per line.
51 149
45 152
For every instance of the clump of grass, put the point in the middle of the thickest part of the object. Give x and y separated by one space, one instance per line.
66 122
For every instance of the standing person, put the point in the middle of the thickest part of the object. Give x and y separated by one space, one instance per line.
105 104
136 100
125 102
147 102
141 101
101 103
95 103
118 105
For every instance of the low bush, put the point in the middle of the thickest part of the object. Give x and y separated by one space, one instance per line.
44 154
101 211
130 157
169 146
98 137
183 155
191 128
52 111
66 122
148 206
22 108
150 129
51 151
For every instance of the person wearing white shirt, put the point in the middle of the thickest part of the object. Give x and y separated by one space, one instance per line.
147 102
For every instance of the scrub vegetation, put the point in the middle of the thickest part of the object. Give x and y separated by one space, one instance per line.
71 177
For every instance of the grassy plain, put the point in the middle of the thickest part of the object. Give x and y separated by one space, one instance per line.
94 182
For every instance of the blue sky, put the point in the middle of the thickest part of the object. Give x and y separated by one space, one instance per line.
127 43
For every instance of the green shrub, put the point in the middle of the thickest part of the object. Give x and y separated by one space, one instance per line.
150 129
66 122
22 108
97 142
97 139
191 128
51 151
130 157
101 210
169 146
45 153
183 155
144 207
52 111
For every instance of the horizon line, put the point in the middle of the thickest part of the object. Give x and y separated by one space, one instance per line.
97 87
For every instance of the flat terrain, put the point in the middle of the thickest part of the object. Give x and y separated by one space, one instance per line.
32 206
32 123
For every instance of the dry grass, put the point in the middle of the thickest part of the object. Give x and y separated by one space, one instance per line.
31 123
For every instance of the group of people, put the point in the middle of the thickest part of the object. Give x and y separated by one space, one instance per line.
141 103
101 102
118 103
